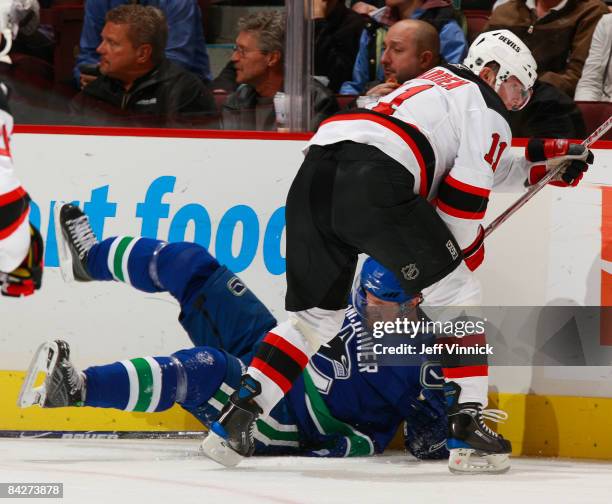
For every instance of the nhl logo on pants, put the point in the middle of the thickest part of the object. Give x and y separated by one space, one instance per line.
410 272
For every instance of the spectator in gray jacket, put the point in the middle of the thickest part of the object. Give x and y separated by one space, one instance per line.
258 60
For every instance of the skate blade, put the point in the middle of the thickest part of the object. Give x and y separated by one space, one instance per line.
217 449
63 251
43 362
469 461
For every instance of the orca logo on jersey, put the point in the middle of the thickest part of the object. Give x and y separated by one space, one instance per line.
510 43
410 272
236 287
336 352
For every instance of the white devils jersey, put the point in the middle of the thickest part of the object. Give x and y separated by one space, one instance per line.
463 122
14 201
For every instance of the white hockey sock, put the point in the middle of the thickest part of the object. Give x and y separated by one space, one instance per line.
473 389
285 351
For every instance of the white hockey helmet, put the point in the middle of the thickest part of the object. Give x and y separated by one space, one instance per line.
509 52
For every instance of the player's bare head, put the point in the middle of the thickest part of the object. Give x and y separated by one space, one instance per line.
259 46
506 64
411 48
146 25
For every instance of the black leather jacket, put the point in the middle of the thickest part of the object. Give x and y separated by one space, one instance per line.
166 92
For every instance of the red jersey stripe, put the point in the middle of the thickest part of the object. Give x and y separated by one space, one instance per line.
424 186
462 186
454 212
11 196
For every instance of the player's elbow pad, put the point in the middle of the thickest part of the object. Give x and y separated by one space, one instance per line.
474 253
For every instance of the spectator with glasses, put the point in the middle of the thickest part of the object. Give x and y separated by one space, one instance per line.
258 60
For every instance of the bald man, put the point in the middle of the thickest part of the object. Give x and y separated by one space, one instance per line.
411 48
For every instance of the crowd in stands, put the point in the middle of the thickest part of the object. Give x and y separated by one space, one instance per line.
145 62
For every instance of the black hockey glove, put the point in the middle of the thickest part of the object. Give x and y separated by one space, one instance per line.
554 152
27 277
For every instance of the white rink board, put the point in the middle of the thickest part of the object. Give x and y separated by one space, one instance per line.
549 251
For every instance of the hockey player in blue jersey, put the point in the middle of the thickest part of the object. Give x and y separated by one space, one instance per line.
344 404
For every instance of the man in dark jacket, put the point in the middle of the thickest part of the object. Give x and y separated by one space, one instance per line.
258 60
186 44
136 79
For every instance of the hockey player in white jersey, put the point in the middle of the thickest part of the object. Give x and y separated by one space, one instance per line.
21 246
406 181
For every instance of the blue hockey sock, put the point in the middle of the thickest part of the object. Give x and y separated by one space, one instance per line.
125 259
142 384
152 265
191 377
204 368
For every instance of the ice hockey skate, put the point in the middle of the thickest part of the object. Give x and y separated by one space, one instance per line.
475 448
74 239
230 438
63 384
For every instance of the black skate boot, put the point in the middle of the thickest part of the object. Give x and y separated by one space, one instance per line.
230 438
74 238
63 386
473 446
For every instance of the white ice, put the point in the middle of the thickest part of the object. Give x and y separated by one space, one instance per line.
172 472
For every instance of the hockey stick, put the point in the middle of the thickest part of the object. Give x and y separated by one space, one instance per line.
101 434
537 187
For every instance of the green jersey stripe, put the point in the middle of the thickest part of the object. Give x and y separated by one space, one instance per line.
359 443
274 434
262 438
117 259
145 384
156 374
124 261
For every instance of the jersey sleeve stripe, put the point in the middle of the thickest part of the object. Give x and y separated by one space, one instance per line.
461 206
12 215
466 188
416 141
12 196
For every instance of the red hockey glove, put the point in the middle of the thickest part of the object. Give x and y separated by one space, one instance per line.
27 277
576 157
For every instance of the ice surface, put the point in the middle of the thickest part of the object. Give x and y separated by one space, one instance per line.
172 472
